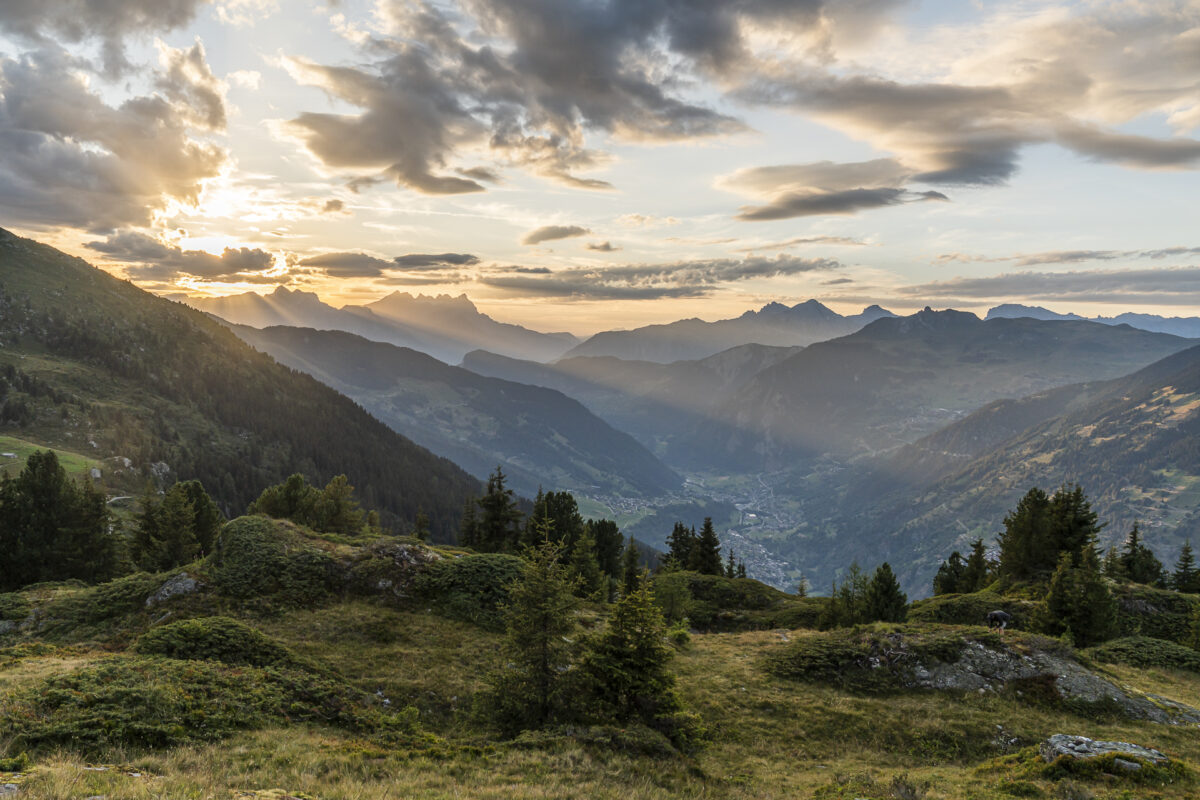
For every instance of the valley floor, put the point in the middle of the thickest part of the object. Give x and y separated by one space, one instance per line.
769 737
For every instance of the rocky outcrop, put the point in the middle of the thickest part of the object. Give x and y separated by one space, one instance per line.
176 586
1077 747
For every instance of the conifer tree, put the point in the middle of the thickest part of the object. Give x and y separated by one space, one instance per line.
421 525
626 666
976 573
949 576
468 529
177 529
705 557
1112 566
884 601
730 565
1186 578
680 544
336 510
499 524
741 570
1041 528
1139 562
584 569
631 569
530 690
207 518
146 549
610 544
1078 601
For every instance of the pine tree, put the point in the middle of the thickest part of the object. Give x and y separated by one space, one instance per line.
530 691
1078 601
336 510
884 601
421 525
177 529
976 573
949 576
610 544
705 557
584 569
1023 544
631 569
680 544
1112 566
208 519
730 565
626 665
1139 562
468 529
1186 578
741 570
500 523
146 551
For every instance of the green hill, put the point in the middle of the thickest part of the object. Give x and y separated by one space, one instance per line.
541 437
92 364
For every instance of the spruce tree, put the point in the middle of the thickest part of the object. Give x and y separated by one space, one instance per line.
884 601
610 544
207 518
421 525
584 569
625 667
530 690
680 544
468 529
631 569
1139 562
741 570
1024 542
1112 566
705 557
146 549
976 573
730 565
336 510
1186 578
1078 601
499 524
177 529
949 577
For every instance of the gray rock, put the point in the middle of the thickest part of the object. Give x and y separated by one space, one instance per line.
1128 766
1061 744
9 789
176 586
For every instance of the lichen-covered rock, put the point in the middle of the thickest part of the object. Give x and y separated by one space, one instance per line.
1061 744
176 586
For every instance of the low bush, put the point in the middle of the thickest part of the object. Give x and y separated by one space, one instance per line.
215 639
146 703
471 588
972 609
256 557
1158 613
717 603
1143 651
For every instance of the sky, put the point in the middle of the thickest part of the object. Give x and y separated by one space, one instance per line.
590 164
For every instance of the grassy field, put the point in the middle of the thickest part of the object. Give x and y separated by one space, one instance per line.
769 737
77 465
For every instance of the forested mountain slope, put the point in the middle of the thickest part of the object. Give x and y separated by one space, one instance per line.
539 435
89 362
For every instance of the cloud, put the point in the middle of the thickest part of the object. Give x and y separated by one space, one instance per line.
602 247
69 158
648 281
437 261
836 241
188 82
850 201
549 233
348 265
109 22
1068 256
333 206
150 259
1149 286
645 220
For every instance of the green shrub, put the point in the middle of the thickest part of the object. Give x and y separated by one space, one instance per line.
1158 613
147 703
257 557
215 639
13 607
1143 651
471 588
718 603
867 658
972 609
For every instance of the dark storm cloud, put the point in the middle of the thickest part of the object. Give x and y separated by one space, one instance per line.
107 21
435 260
149 259
549 233
529 79
68 158
646 281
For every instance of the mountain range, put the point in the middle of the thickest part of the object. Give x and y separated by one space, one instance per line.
692 339
541 437
1188 327
91 363
445 327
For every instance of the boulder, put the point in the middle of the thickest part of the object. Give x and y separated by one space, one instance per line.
1061 744
176 586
